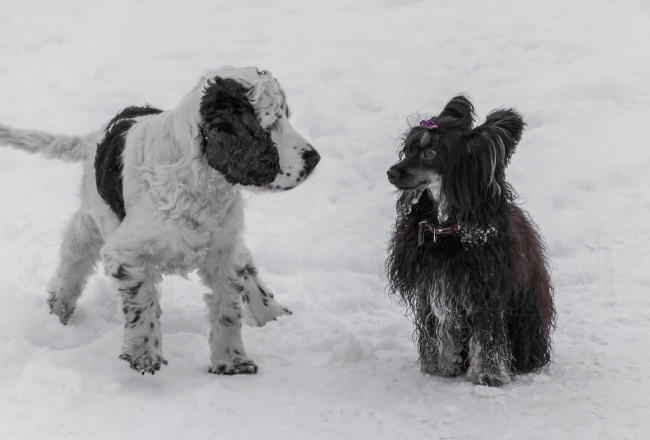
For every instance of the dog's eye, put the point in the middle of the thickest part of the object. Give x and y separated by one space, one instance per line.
428 154
262 72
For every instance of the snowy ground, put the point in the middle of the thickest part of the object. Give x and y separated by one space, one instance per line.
343 366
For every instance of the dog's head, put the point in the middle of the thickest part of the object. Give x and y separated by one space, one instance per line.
461 166
245 130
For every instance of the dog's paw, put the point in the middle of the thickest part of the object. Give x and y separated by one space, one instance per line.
442 360
238 365
145 363
490 379
60 308
446 369
260 315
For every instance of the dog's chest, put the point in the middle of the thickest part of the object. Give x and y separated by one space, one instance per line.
445 300
189 211
187 246
184 250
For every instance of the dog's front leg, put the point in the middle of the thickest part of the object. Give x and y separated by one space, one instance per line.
137 282
489 350
225 314
439 335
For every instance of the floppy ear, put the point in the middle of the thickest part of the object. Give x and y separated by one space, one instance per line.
234 143
458 114
501 131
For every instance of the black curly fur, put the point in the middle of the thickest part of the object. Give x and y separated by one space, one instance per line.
234 143
108 159
491 300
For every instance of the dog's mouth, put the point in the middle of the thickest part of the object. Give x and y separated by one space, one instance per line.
407 186
410 188
407 180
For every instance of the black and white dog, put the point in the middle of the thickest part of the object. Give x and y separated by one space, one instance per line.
161 194
465 260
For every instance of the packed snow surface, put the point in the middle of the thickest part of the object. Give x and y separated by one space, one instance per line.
357 73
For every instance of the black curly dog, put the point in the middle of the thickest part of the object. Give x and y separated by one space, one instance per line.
464 259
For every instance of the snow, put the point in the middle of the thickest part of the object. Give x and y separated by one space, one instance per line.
356 73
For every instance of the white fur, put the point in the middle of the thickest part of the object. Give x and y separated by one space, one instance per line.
435 191
182 215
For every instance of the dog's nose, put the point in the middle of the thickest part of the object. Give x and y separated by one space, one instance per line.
311 158
393 174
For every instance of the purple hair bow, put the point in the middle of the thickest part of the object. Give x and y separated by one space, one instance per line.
429 125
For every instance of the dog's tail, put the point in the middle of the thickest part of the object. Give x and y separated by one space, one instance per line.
66 148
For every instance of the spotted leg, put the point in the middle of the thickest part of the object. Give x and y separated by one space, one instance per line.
137 281
228 355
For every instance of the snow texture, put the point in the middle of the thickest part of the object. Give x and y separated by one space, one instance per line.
357 73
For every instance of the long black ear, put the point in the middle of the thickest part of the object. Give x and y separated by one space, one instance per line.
458 114
502 130
234 143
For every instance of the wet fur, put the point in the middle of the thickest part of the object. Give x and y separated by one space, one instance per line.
481 303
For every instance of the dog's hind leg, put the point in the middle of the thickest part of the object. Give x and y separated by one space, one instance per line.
78 256
225 314
260 306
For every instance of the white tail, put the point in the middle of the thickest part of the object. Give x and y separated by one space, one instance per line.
66 148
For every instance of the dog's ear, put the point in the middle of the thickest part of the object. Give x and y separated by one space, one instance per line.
501 131
458 114
234 143
474 175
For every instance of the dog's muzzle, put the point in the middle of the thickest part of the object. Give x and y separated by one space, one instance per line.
403 179
394 174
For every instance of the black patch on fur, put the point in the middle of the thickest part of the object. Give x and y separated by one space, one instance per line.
233 141
121 273
250 269
132 290
227 321
108 160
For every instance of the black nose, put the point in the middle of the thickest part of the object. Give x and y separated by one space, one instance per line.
311 158
393 174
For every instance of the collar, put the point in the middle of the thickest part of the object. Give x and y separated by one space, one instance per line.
453 230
